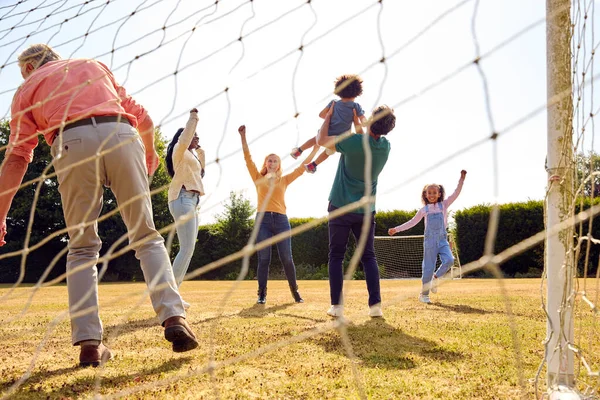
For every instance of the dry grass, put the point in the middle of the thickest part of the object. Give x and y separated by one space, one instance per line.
460 347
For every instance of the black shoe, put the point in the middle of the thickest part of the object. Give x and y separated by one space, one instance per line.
262 296
296 295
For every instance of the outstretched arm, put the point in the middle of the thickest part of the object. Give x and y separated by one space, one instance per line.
359 122
409 224
323 138
11 176
458 189
254 174
289 178
324 111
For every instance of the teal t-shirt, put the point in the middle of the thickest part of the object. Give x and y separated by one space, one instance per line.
349 184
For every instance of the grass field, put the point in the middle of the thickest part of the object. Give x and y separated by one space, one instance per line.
460 347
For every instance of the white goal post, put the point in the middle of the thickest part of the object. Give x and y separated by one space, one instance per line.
400 257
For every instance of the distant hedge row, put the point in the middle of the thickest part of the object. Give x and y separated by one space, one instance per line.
518 221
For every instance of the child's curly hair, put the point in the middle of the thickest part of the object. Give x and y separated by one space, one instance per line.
348 86
441 190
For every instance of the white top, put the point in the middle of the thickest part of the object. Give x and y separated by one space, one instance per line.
433 209
187 165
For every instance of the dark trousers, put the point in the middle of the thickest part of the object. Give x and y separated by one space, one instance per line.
272 224
339 232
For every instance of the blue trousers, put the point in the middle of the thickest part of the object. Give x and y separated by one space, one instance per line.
184 207
272 224
339 232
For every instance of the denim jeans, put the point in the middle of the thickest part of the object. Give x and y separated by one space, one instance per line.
272 224
184 208
339 232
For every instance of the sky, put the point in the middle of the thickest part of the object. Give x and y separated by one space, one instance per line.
271 64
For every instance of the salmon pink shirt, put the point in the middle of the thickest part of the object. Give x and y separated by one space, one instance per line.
65 90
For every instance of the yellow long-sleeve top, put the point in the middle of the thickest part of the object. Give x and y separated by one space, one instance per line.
277 201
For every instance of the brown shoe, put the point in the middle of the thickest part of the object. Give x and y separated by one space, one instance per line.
92 356
178 332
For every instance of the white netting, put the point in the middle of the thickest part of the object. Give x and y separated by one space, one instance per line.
163 51
400 257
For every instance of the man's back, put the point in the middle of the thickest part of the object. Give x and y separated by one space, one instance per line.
349 183
70 90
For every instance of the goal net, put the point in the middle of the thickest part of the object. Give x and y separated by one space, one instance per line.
400 257
269 64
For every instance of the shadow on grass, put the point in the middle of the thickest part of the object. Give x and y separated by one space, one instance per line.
461 308
380 345
132 326
84 386
464 309
260 310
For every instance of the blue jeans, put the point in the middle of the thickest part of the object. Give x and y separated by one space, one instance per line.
432 246
184 207
272 224
339 232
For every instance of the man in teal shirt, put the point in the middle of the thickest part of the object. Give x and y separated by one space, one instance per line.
349 186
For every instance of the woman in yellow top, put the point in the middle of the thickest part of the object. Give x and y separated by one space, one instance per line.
272 210
185 165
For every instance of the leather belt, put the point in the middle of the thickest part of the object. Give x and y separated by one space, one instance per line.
98 120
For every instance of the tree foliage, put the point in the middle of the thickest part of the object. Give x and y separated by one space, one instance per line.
586 165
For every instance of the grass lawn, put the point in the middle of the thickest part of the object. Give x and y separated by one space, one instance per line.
459 347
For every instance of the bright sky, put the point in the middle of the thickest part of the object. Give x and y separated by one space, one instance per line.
439 111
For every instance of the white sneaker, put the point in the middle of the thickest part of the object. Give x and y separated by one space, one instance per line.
186 305
375 311
424 298
434 284
336 311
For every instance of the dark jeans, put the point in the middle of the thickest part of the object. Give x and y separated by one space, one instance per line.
272 224
339 232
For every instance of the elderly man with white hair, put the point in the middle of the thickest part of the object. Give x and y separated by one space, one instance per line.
92 125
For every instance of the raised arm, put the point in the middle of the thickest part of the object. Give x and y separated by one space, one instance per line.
359 122
408 224
186 136
454 195
323 138
292 176
324 111
254 174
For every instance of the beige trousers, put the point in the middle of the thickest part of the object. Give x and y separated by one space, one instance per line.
123 169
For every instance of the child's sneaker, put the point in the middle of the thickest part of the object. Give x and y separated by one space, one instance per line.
434 284
424 298
375 311
296 151
336 311
311 168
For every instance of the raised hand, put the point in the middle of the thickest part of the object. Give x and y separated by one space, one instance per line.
391 231
242 130
463 173
194 110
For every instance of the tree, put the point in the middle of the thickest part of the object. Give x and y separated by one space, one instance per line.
585 166
229 234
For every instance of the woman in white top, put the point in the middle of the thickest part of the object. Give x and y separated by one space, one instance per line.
185 164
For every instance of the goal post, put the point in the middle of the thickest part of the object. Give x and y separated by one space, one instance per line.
401 257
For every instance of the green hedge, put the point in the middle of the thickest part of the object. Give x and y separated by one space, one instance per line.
517 222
